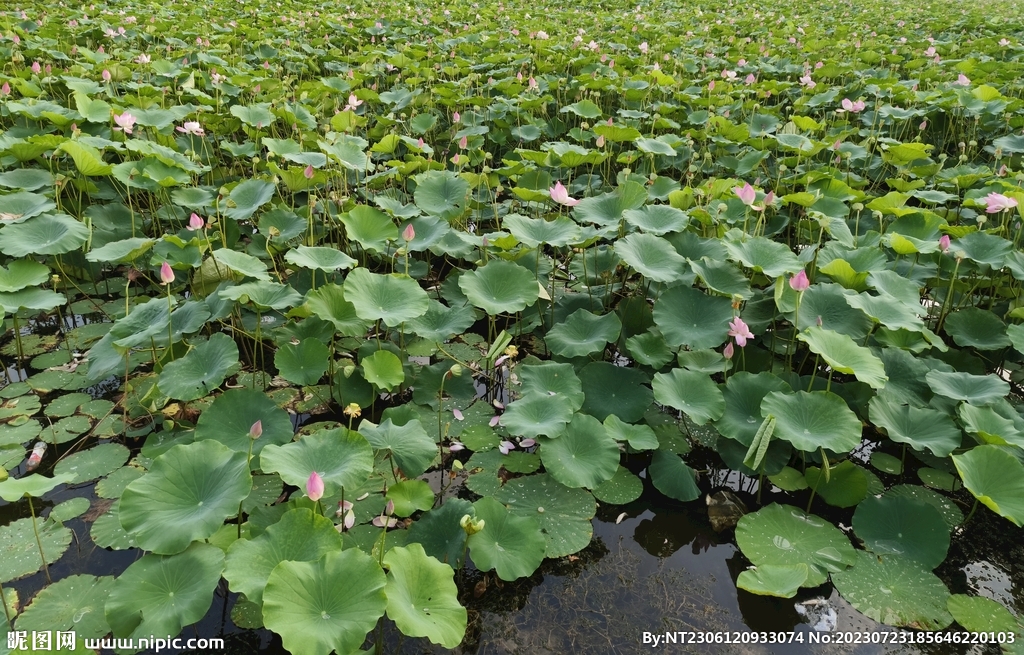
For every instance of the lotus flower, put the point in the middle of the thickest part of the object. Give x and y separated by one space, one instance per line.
409 233
256 431
728 351
944 242
125 122
315 486
739 330
308 172
799 282
997 202
746 193
142 59
807 81
353 102
962 80
456 117
36 68
195 222
5 89
166 274
464 142
105 75
191 127
561 195
852 107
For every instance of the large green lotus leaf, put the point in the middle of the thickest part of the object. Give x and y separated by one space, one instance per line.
231 416
329 303
441 322
564 514
243 264
327 605
500 286
22 273
264 295
107 532
42 300
611 389
743 395
607 209
298 536
247 197
689 317
949 511
14 489
121 252
74 603
547 378
23 205
691 392
441 193
583 333
319 258
1016 336
769 257
537 414
342 457
899 525
257 115
672 477
533 232
410 446
620 489
984 248
392 298
843 355
651 256
723 277
411 496
439 532
303 363
974 389
650 349
583 456
49 234
996 478
201 370
161 594
19 552
812 420
348 150
28 179
657 219
895 591
639 437
781 580
989 425
828 303
784 535
844 485
977 328
422 598
512 546
92 463
185 496
889 311
370 227
980 614
920 428
383 369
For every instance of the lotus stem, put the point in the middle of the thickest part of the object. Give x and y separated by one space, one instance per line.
949 296
973 509
17 344
7 611
39 542
170 325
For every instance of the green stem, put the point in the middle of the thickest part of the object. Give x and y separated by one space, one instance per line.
7 611
170 326
39 541
949 296
973 508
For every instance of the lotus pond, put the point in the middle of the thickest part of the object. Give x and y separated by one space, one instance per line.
511 327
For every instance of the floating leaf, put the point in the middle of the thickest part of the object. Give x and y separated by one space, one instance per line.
564 514
511 545
813 420
422 598
996 478
895 591
19 552
583 333
899 525
201 370
392 298
341 457
74 603
500 286
672 477
691 392
92 463
537 414
583 455
303 363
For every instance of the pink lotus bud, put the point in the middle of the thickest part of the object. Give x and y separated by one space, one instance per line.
799 282
5 89
308 172
409 233
36 68
195 222
728 351
256 431
166 274
106 75
600 141
944 242
464 142
456 117
746 193
315 486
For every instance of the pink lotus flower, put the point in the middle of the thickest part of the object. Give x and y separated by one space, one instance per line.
997 202
739 330
852 107
644 47
308 172
769 199
36 68
195 222
142 59
944 243
456 117
191 127
126 122
750 79
315 486
807 81
600 141
409 233
728 351
746 193
962 80
464 142
166 274
256 431
561 195
799 282
105 75
353 102
5 89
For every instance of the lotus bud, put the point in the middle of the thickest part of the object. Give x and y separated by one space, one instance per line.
944 242
308 172
315 486
389 509
455 370
166 274
799 282
409 233
256 431
728 351
471 525
195 222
